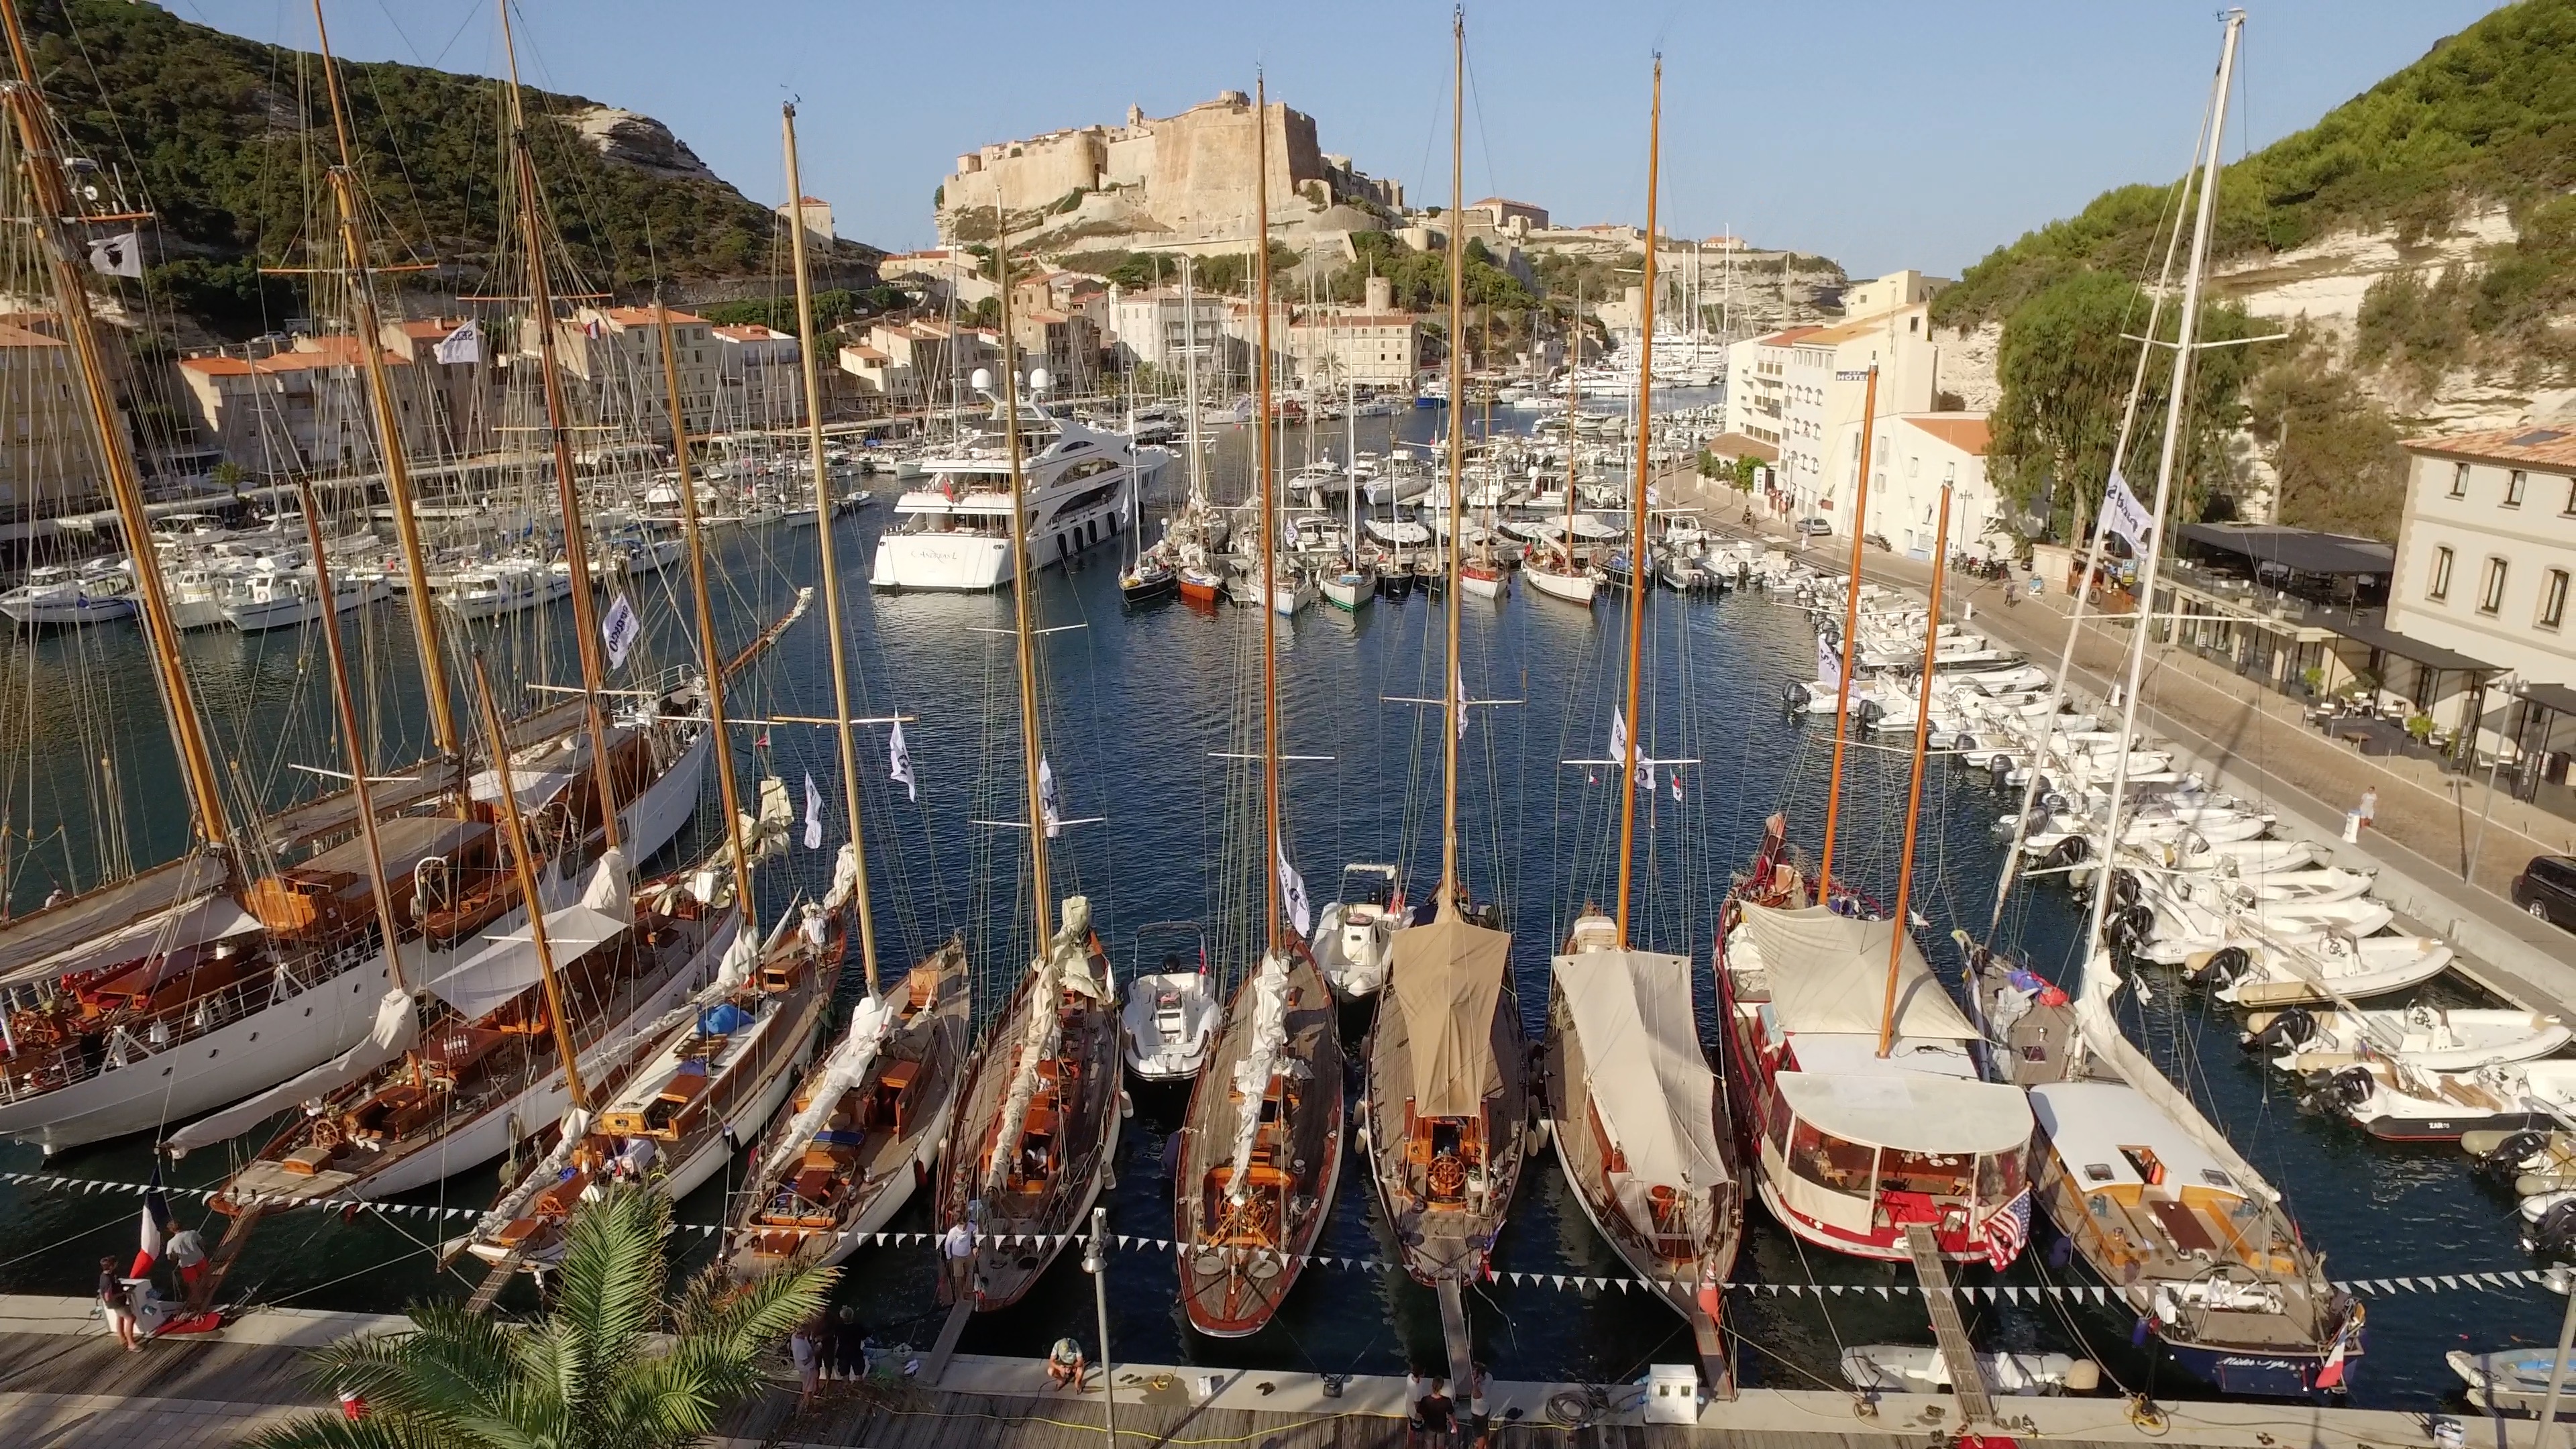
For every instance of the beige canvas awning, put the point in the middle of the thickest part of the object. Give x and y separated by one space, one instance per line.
1448 977
1829 974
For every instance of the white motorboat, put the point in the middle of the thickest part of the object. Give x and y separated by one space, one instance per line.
2423 1036
2282 968
1908 1369
2401 1104
1355 935
55 597
509 586
278 598
1169 1021
952 531
1351 588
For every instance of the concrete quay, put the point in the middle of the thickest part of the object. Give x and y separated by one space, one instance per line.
64 1384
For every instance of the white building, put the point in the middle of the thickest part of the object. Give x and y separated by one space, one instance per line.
1911 456
1153 328
760 375
1825 394
2486 551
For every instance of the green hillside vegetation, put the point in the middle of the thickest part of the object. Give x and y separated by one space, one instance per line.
223 138
2488 115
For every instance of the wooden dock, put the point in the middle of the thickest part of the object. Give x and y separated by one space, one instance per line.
64 1384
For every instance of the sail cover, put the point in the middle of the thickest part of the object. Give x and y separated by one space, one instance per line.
501 967
1645 1072
1448 977
1829 974
166 908
1041 1032
397 1027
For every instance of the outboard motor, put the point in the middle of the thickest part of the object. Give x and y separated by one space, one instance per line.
2288 1031
2506 1158
2352 1086
2224 968
2124 887
2554 1236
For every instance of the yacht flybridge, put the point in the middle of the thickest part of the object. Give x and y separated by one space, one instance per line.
953 531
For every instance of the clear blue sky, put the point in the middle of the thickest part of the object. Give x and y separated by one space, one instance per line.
1882 134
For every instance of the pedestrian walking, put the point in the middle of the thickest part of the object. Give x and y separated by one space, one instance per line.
2369 809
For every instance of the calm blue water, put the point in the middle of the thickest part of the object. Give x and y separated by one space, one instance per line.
1138 709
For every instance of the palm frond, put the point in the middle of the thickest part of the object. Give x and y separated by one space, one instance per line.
376 1431
667 1400
753 1318
608 1287
449 1367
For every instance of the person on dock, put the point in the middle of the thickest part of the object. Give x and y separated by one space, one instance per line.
117 1302
1433 1417
805 1350
1065 1364
2369 807
1479 1424
957 1250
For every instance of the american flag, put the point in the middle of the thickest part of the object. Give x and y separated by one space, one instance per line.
2007 1231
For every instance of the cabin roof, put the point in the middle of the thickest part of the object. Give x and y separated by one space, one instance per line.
2089 1122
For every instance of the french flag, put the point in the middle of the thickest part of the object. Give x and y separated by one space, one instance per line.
2330 1374
156 1227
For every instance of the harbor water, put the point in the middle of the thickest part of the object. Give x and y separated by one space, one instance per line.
1141 711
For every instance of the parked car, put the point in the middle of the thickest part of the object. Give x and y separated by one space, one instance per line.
2547 889
1816 527
1878 541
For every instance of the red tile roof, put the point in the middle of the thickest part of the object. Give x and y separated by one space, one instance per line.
1967 432
2551 446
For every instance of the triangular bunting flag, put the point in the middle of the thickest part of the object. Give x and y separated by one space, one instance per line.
1560 1280
2450 1282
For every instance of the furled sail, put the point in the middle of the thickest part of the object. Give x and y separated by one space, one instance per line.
1062 968
397 1028
1264 1059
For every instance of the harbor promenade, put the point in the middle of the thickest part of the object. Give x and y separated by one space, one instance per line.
64 1384
2444 846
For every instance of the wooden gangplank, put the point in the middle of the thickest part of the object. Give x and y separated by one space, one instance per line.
1976 1404
1453 1332
493 1282
946 1348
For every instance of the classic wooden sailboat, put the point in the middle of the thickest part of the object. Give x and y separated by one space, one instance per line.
1638 1119
1261 1148
1038 1116
187 965
2154 1198
1447 1110
1553 569
1853 1076
871 1116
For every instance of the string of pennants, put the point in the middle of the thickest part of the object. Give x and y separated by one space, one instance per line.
2472 1282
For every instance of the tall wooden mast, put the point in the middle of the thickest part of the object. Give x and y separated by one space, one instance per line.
805 342
585 607
1272 911
522 861
353 742
1573 391
711 658
1851 642
1023 622
59 213
1453 689
1637 575
348 193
